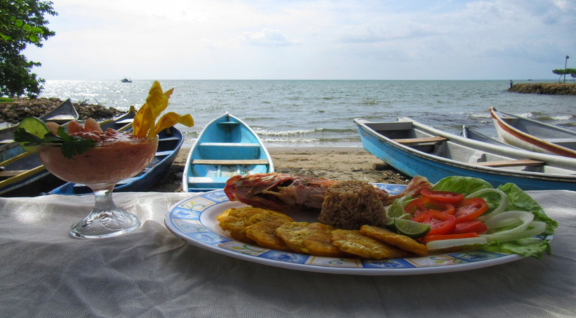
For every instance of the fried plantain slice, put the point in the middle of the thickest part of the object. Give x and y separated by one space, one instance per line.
319 241
293 234
309 238
264 234
353 242
401 241
235 220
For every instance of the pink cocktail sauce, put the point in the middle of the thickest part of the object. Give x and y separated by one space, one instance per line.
117 156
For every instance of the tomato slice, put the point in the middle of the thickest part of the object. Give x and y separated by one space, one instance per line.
424 204
473 226
438 237
443 196
440 223
469 209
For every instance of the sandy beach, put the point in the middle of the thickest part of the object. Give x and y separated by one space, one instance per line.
332 163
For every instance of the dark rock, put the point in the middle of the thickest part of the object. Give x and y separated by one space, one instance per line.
20 108
544 88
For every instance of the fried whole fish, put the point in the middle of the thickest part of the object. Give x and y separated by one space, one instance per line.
284 192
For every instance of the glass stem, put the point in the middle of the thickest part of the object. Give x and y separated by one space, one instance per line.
104 205
105 219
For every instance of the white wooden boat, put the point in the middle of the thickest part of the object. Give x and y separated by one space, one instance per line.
471 133
533 135
416 149
226 147
64 113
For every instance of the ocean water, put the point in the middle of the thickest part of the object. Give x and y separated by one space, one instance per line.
320 113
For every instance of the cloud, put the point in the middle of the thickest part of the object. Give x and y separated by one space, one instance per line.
266 37
326 39
380 33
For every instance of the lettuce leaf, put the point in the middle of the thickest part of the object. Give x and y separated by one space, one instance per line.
463 185
525 247
520 200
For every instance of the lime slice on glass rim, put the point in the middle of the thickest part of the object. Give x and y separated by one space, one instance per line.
35 127
410 228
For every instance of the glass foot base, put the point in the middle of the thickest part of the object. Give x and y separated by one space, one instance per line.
105 224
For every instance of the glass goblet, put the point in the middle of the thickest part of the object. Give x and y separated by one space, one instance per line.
100 168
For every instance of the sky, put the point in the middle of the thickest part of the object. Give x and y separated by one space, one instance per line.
308 39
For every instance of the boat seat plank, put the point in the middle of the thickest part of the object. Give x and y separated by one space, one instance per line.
229 151
511 163
230 144
205 180
228 123
11 173
409 141
229 162
164 153
169 139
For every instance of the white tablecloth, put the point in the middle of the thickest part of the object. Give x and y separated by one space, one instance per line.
151 273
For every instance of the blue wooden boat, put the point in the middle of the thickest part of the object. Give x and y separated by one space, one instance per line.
226 147
417 149
169 143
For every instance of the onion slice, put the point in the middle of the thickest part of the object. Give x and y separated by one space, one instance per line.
501 207
456 244
534 228
509 218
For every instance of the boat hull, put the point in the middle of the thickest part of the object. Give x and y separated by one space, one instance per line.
226 147
413 162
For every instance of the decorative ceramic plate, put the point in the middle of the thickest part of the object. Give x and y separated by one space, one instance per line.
194 220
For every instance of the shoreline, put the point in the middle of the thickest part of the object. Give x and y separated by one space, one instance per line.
337 163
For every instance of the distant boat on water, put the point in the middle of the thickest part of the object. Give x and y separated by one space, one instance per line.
126 80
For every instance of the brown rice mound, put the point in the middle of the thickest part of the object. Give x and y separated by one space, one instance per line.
351 204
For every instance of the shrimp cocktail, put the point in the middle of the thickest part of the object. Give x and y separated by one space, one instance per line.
99 159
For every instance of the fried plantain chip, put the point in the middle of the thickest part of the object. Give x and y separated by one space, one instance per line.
156 102
353 242
401 241
142 121
170 119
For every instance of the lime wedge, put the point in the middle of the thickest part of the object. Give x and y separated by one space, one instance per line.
410 228
396 210
35 127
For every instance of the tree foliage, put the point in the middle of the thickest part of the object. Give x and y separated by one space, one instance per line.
568 71
22 22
